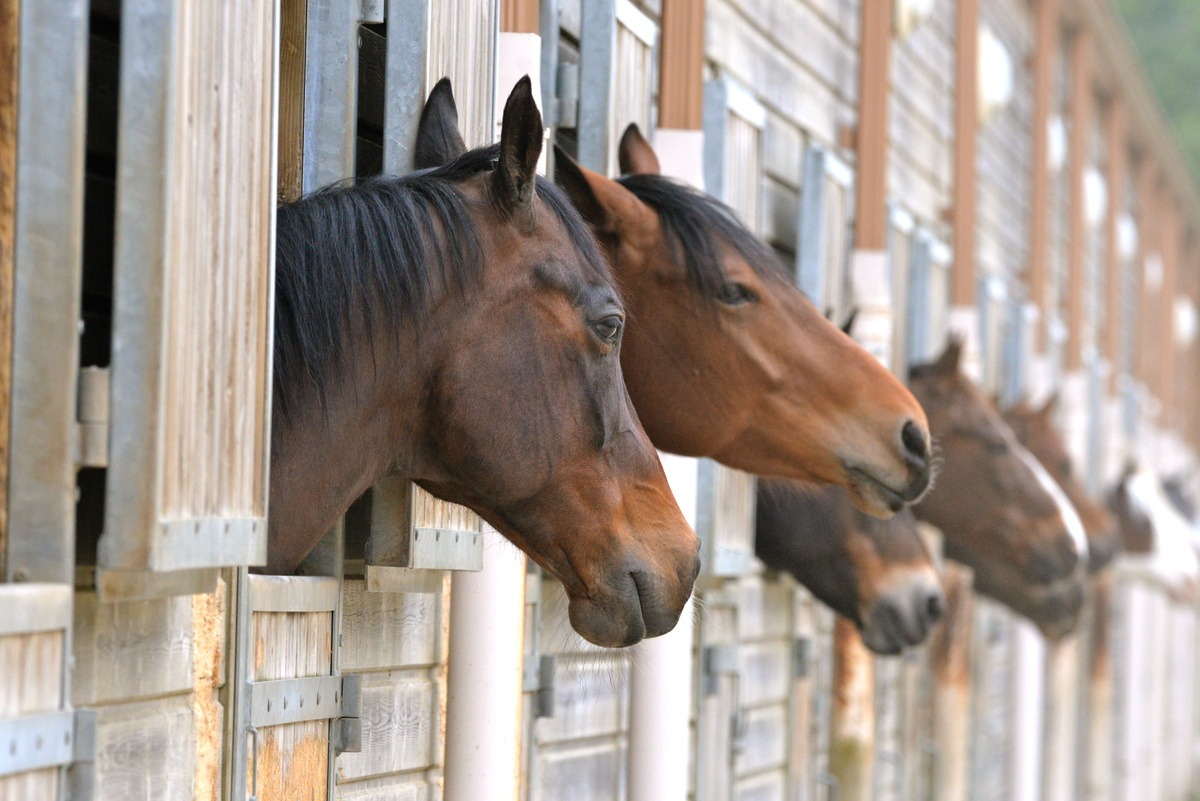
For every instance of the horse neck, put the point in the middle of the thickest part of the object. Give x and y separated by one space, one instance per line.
324 455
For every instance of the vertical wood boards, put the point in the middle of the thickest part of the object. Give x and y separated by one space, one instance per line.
9 30
823 237
34 639
193 280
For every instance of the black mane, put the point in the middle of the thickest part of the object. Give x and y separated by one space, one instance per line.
380 248
698 224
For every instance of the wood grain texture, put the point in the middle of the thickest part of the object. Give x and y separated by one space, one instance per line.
9 29
681 65
132 649
208 671
874 92
146 750
388 630
32 667
400 722
293 30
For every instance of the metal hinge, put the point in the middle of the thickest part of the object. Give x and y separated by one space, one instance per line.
538 677
719 660
91 440
52 740
566 96
334 698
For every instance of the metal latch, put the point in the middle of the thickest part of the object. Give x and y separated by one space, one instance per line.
538 678
56 739
92 411
334 698
719 660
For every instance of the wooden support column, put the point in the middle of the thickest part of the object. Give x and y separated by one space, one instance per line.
966 135
9 25
874 93
1147 196
1081 117
681 65
519 16
852 748
1165 313
950 657
1115 171
1047 17
293 29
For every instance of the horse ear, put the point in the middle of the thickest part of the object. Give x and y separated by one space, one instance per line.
947 363
635 154
578 183
521 132
848 326
438 139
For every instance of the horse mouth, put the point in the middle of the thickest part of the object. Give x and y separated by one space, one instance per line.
880 492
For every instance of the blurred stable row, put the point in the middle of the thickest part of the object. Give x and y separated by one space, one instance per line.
987 186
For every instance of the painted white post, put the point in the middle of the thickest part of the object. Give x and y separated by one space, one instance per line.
1029 680
660 684
487 609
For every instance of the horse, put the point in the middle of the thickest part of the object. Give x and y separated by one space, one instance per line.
878 574
1156 538
459 327
997 515
1035 429
725 358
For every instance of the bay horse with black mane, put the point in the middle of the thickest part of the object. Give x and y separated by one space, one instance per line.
460 328
723 356
878 574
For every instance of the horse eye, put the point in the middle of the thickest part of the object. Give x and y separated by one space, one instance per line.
609 328
735 294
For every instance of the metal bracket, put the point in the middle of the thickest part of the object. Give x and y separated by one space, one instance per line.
36 742
92 413
335 698
719 660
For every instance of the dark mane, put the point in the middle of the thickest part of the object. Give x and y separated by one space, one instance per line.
377 249
697 225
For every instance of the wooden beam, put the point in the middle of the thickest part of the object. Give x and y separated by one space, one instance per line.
950 662
1116 170
9 26
874 93
1147 185
966 145
293 31
852 740
1047 33
1081 118
681 65
1165 313
520 16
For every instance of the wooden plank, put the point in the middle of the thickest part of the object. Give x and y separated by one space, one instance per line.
966 130
1116 173
131 649
209 625
386 630
406 787
400 723
32 666
146 750
1171 242
9 29
1080 114
519 16
852 752
293 30
681 65
950 651
874 90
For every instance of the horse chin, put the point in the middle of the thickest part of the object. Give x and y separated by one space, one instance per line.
872 496
624 616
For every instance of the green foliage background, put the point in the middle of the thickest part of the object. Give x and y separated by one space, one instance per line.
1166 34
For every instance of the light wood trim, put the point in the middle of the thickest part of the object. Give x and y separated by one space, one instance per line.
1116 170
874 91
1081 114
1047 34
293 31
1164 318
966 145
681 65
9 26
1147 183
520 16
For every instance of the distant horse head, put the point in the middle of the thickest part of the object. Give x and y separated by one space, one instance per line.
1158 540
1035 429
876 573
726 358
997 515
459 327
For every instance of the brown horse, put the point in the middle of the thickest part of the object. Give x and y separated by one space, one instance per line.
460 328
990 505
726 358
1035 429
876 573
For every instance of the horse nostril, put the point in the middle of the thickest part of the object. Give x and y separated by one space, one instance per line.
934 607
913 440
